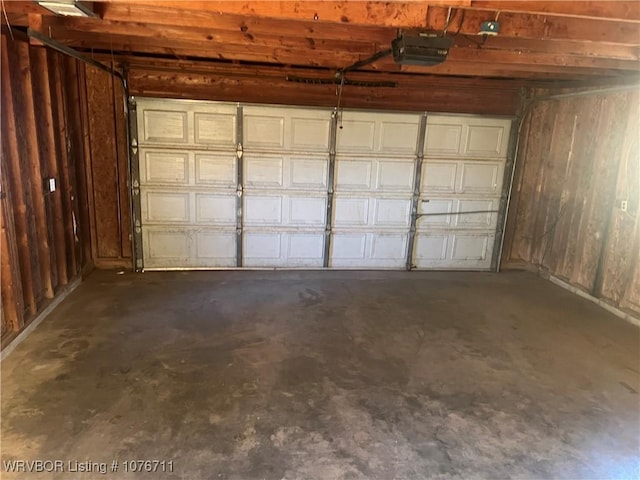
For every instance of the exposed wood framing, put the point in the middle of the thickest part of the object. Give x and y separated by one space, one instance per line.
23 89
579 162
38 242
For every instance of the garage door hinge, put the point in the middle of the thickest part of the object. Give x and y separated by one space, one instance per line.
239 151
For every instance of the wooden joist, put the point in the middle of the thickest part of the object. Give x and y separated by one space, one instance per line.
619 10
542 27
397 14
49 146
11 290
66 173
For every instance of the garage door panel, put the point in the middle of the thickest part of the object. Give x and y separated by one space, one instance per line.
283 249
431 248
260 247
165 244
164 167
262 209
351 211
310 133
216 209
286 129
443 138
437 213
467 136
485 217
166 207
389 247
165 126
394 176
262 131
486 140
308 173
215 129
348 246
264 171
439 177
398 137
356 136
390 212
378 133
215 169
215 248
307 210
353 175
481 178
453 250
469 247
368 250
306 247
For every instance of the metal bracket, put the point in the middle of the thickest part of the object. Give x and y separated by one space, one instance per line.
333 129
134 175
417 177
239 187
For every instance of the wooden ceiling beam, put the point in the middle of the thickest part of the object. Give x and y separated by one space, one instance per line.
619 10
450 67
149 32
275 50
394 14
542 27
538 59
564 47
380 40
207 19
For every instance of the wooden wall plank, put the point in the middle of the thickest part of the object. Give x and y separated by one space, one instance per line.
80 156
67 177
24 129
120 127
36 238
107 212
11 167
11 290
25 91
580 158
48 143
621 258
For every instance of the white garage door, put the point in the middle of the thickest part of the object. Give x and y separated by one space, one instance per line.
460 192
375 163
286 156
223 185
187 157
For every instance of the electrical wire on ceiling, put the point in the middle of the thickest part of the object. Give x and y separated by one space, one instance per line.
447 22
6 19
339 94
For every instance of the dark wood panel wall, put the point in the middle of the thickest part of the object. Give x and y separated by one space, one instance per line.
101 98
579 161
44 236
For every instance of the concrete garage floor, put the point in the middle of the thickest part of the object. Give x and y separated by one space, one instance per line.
327 375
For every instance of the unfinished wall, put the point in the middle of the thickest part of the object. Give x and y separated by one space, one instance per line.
579 160
101 99
42 231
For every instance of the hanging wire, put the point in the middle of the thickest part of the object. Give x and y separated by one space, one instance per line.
447 22
339 93
6 19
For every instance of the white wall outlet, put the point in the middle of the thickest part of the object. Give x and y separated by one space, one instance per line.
624 204
50 184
